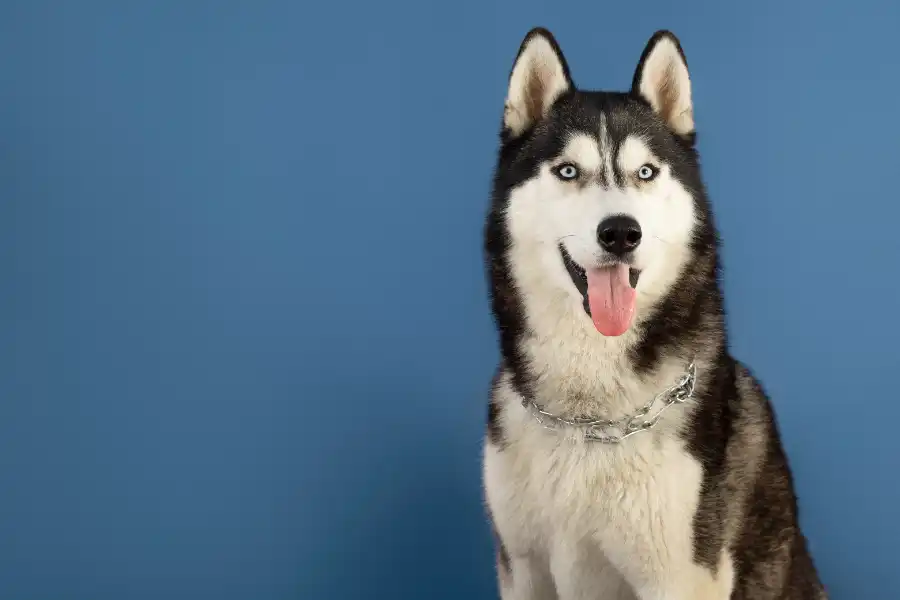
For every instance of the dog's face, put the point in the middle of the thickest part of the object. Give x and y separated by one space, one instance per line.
600 188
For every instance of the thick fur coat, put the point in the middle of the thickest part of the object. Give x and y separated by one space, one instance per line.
593 190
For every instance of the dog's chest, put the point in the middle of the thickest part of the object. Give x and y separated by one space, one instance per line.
552 489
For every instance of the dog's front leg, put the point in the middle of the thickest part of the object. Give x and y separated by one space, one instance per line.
690 582
658 563
581 572
648 533
662 569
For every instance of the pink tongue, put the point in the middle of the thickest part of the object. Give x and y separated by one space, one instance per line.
611 299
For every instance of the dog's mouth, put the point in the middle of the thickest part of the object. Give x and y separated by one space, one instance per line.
608 293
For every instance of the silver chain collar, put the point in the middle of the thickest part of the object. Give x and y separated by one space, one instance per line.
613 432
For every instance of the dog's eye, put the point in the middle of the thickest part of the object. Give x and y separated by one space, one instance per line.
567 172
647 172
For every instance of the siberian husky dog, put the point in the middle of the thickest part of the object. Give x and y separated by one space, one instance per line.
627 454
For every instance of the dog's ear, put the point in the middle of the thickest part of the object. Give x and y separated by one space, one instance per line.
663 81
539 77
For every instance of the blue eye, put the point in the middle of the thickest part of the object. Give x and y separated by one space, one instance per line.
647 172
567 172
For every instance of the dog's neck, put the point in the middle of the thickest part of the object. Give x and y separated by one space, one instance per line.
571 369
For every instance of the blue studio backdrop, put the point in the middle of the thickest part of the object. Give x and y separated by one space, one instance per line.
244 335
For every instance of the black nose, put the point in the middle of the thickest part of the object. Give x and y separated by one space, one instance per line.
619 234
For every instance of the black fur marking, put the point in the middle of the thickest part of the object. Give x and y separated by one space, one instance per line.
503 562
710 430
579 278
633 276
494 425
505 303
502 553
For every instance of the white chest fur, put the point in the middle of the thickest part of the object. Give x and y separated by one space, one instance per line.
557 486
594 516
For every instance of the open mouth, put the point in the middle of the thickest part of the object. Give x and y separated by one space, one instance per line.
608 293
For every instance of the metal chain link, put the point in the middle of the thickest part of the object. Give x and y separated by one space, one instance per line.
614 432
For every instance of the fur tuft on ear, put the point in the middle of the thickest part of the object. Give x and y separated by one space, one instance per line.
539 77
662 79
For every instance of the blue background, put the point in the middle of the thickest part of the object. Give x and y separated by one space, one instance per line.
245 340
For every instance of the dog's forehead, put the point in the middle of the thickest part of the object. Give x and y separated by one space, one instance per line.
605 131
590 145
609 118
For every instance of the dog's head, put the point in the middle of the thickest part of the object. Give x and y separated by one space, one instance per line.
599 193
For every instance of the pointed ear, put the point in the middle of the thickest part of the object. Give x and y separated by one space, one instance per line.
539 77
662 80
